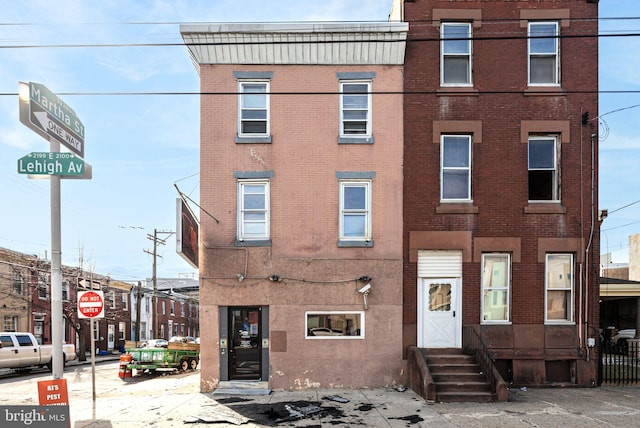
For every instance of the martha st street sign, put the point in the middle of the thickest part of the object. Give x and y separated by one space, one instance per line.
50 117
54 163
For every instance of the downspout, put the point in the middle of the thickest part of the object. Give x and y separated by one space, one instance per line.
581 285
586 291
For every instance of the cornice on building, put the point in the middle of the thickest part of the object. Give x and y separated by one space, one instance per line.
296 43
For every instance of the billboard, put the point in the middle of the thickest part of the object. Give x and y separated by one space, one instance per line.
187 233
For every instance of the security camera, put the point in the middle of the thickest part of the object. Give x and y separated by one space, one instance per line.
365 288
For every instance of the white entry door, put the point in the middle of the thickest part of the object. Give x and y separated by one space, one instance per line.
439 313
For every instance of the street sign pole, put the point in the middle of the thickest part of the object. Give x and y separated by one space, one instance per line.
57 321
55 121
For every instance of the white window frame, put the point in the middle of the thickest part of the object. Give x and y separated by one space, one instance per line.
444 55
364 211
18 282
65 290
488 278
551 54
444 169
10 323
125 301
241 108
343 120
112 299
555 168
243 223
569 290
122 327
338 335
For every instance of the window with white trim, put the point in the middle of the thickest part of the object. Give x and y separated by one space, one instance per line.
544 48
559 286
125 301
122 326
43 286
543 169
355 210
253 108
65 290
455 171
334 325
18 282
455 54
10 323
355 108
253 210
112 299
496 282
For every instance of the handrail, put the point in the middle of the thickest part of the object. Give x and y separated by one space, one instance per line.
473 344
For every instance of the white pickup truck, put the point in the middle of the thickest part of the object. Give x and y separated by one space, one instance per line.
21 352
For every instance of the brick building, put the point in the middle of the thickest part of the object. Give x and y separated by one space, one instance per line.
301 165
501 230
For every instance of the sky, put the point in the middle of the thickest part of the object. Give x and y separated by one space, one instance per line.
132 84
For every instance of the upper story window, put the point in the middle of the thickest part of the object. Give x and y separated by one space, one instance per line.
559 286
65 290
112 299
355 108
18 282
253 210
544 52
43 286
253 111
543 169
125 301
455 54
173 307
496 282
455 180
355 212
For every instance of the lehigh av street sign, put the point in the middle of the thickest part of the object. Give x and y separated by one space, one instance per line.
50 117
45 163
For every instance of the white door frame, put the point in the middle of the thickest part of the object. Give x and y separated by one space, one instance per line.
443 328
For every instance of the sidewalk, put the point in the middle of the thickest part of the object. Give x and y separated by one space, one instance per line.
184 405
380 407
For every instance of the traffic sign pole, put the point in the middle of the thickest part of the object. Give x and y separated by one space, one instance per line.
56 122
57 321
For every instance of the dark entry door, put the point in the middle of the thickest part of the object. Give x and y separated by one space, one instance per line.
245 349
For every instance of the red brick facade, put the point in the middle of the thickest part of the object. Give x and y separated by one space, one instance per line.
500 111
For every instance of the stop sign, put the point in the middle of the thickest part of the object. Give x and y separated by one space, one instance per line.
90 304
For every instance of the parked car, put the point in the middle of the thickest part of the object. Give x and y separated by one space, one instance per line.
22 352
182 339
155 343
620 344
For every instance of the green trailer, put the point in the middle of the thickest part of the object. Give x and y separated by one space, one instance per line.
177 356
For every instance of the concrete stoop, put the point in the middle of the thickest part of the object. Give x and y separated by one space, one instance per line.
237 387
457 376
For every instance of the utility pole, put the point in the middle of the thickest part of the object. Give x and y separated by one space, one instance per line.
154 278
138 303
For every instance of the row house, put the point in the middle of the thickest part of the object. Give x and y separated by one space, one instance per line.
301 165
25 287
385 187
501 221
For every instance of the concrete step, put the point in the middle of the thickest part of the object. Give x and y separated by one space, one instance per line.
447 387
458 377
464 397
